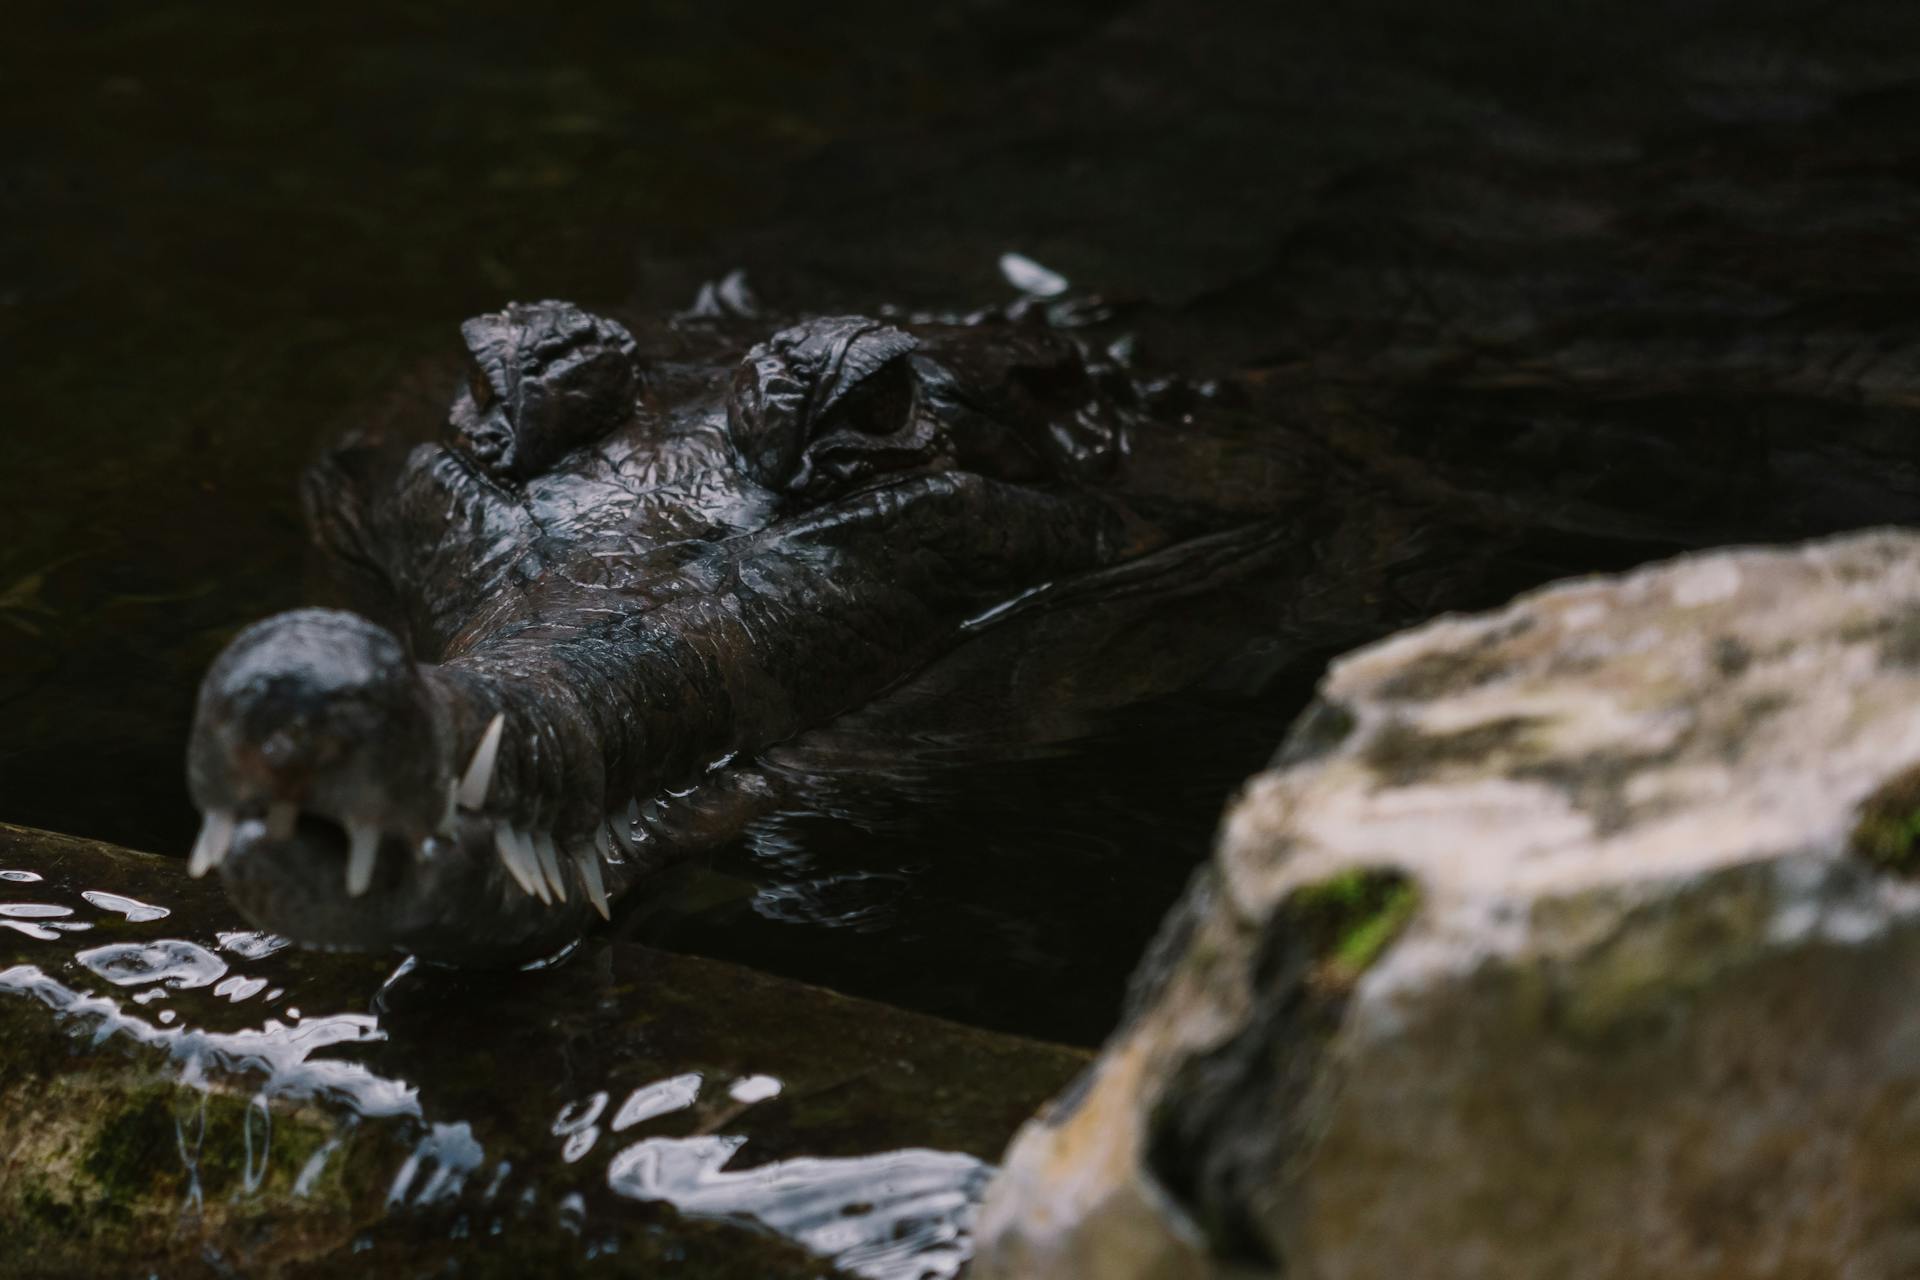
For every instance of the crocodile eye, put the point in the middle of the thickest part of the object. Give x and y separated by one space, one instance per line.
803 401
544 378
880 404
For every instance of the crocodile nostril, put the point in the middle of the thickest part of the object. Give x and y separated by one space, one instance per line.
280 751
542 379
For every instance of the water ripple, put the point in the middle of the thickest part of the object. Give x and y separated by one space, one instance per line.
136 911
900 1215
172 962
33 910
675 1093
282 1054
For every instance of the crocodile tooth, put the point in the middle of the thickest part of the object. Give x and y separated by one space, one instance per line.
603 841
363 846
210 847
550 863
509 850
479 775
445 826
281 815
590 876
530 859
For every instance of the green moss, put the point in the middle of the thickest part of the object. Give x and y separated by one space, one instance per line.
147 1151
1887 833
135 1149
297 1137
220 1155
1633 968
43 1210
1350 919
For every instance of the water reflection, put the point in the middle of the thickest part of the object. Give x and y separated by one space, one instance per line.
171 962
133 909
576 1124
251 945
446 1156
278 1057
903 1215
675 1093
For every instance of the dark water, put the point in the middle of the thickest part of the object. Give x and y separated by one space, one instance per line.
1015 894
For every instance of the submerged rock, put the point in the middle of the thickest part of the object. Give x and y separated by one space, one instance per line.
1577 939
181 1096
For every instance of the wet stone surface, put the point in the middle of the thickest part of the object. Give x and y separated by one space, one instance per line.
180 1093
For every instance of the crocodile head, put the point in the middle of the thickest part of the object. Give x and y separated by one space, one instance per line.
615 571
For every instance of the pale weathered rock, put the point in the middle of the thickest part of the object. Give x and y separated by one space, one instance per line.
1572 940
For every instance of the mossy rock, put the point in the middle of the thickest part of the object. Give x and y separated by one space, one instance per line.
433 1124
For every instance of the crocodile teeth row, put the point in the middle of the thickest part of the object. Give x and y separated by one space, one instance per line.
532 861
516 855
217 829
536 863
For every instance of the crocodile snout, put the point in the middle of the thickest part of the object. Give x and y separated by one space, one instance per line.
318 714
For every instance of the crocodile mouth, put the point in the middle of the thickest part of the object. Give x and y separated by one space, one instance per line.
346 858
320 762
311 874
336 889
475 888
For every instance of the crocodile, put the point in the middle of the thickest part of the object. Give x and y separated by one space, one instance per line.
626 565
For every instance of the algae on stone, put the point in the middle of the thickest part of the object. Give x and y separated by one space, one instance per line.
1888 832
1351 917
